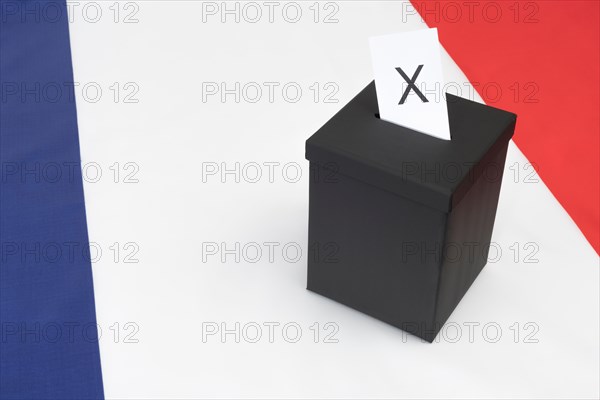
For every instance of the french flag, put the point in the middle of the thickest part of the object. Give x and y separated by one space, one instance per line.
154 199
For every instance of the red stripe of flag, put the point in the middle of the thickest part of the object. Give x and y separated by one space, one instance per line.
540 60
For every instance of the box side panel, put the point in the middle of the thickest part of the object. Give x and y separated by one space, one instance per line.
468 236
363 243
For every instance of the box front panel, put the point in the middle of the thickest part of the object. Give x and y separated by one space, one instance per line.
373 250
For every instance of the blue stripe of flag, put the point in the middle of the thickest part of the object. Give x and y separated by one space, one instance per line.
48 345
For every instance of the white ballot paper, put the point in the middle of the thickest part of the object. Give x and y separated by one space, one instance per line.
409 81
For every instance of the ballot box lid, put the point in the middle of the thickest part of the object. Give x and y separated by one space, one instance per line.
438 173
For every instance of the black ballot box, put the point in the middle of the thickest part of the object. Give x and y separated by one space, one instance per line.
400 222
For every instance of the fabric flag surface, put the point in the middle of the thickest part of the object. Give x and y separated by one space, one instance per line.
190 136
